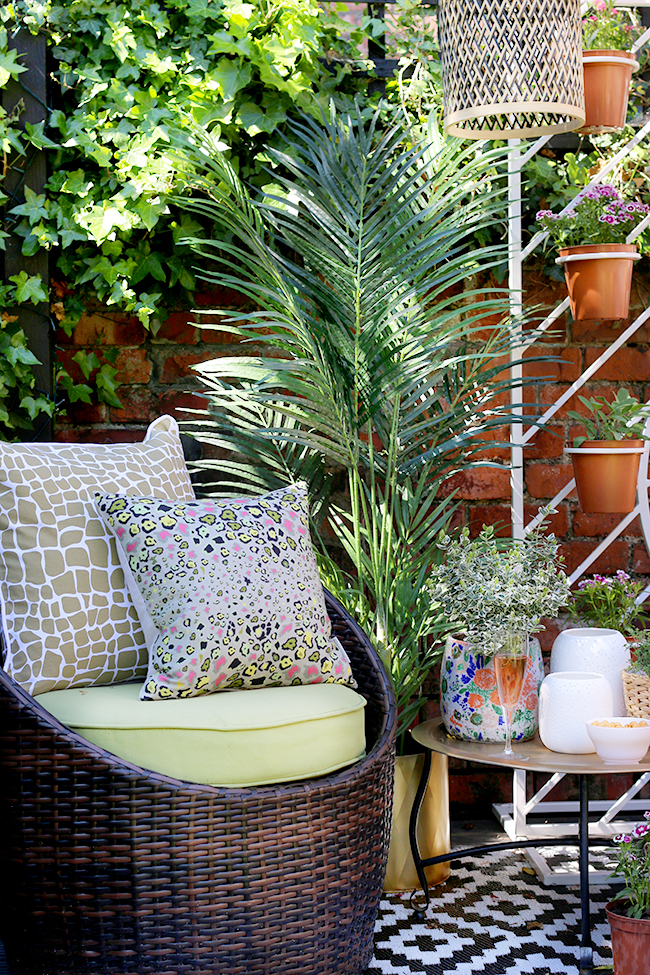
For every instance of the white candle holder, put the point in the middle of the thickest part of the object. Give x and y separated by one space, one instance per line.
567 700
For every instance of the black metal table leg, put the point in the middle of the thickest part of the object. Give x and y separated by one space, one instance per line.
413 837
586 963
586 947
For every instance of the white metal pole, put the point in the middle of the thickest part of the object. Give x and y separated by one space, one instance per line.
515 284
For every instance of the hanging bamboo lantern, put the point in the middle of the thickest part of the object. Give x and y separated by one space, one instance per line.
511 68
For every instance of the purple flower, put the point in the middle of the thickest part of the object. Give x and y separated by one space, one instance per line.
622 838
641 829
621 575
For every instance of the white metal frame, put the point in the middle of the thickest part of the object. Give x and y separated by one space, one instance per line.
515 816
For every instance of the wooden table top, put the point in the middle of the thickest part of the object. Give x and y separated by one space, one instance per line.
433 735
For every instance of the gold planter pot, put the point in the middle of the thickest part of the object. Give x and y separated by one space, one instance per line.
433 822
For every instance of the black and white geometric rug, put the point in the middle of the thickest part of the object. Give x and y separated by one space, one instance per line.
493 916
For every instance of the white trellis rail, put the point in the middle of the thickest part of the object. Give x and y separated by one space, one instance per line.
515 816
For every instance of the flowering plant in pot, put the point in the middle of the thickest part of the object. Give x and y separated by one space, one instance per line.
490 586
607 602
606 459
591 238
607 36
629 911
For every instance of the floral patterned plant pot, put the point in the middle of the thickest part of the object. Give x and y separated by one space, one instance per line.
469 699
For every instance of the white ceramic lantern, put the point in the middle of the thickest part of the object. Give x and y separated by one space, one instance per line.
566 702
596 651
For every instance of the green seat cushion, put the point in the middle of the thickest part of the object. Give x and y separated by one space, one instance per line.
237 738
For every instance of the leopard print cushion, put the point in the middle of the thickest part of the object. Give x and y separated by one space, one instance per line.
233 588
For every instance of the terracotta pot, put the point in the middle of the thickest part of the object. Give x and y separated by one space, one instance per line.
630 941
606 473
607 86
433 823
598 278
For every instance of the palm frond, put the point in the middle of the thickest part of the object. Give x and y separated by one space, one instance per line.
374 364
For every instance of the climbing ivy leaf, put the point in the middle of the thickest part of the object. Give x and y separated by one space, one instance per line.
29 288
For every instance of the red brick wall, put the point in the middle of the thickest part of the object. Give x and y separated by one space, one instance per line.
155 373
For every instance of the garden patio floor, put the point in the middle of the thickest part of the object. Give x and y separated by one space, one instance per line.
492 916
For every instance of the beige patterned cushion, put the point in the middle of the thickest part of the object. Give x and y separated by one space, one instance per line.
68 618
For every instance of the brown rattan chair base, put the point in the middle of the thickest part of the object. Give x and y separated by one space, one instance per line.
108 868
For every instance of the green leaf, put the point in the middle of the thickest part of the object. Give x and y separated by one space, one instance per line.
150 212
231 76
106 386
8 66
253 119
29 288
87 361
103 219
33 208
36 406
74 391
152 265
37 136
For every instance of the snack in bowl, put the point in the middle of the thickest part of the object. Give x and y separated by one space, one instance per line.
620 741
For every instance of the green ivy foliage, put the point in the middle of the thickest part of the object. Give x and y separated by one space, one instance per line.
20 403
127 78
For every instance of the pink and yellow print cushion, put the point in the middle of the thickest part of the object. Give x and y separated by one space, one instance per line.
233 588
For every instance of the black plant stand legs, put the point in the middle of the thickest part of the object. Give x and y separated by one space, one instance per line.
586 965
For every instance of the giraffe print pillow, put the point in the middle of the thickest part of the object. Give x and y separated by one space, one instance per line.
233 589
68 618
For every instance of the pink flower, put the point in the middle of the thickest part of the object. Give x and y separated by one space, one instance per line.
641 829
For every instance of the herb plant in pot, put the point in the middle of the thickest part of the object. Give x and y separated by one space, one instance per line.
490 587
629 912
591 238
606 459
607 35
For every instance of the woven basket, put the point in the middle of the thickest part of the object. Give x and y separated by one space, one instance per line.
511 68
636 688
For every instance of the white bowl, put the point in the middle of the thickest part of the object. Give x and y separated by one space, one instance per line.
620 745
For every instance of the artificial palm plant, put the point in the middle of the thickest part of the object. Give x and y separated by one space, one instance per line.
369 372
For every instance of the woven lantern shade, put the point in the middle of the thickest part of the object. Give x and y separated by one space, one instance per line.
511 68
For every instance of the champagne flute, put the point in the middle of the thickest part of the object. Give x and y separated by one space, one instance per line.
510 663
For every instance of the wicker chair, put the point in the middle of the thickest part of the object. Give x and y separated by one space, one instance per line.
109 868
